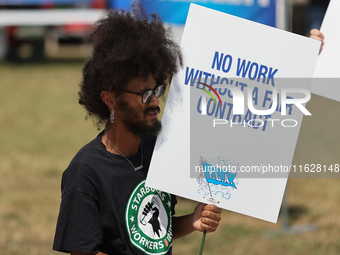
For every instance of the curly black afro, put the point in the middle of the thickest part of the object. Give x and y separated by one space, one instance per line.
126 45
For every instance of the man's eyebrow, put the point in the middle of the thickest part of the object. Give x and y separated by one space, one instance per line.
143 90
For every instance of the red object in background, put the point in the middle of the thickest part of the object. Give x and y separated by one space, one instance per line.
47 4
11 32
76 28
98 4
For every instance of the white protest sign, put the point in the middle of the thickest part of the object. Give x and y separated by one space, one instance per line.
326 80
208 153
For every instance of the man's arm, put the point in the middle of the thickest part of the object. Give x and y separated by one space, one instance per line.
205 217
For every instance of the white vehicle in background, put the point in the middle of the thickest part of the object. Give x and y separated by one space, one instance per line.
30 30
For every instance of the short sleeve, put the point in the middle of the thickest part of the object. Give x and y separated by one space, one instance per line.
79 226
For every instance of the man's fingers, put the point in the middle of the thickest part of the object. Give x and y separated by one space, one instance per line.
317 33
210 222
317 38
212 208
209 225
210 217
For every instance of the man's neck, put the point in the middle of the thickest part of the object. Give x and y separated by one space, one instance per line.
121 138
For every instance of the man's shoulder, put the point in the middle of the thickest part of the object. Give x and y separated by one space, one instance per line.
88 151
84 159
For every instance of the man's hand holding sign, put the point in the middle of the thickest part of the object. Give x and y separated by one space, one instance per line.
204 218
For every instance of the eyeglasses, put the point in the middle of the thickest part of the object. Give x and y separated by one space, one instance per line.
147 95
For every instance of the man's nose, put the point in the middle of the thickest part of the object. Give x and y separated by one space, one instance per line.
154 100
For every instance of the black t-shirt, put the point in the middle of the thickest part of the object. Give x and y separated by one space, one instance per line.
106 206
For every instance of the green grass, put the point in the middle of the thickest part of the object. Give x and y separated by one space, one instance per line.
42 127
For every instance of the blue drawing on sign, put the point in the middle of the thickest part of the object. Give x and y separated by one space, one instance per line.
215 176
217 179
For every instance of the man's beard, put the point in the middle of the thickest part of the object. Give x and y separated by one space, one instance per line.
137 127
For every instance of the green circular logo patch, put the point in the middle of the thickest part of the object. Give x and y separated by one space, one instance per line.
148 220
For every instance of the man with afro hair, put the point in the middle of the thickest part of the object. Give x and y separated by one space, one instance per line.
106 207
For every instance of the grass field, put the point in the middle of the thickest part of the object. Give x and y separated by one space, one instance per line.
42 127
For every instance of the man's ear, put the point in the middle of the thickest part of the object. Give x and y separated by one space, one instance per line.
108 98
